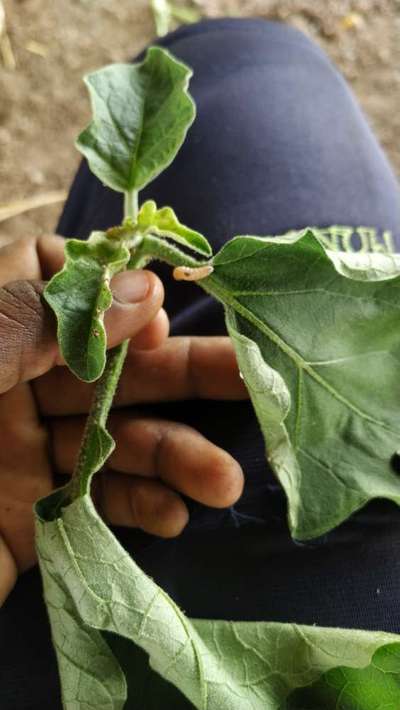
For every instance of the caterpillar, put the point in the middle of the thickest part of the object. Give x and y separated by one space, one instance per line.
187 273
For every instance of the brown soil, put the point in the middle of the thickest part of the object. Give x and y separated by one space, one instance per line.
43 101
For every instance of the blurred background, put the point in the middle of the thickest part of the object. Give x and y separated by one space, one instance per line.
47 45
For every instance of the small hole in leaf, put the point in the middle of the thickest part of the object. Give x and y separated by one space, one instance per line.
395 463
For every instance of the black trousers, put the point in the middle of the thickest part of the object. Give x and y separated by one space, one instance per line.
279 143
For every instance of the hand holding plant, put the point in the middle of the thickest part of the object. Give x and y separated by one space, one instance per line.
330 438
134 491
30 349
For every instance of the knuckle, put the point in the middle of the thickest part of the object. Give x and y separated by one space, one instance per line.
139 504
227 480
23 323
158 510
122 430
19 258
191 366
162 445
156 287
21 305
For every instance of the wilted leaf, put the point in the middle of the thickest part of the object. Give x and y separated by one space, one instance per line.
92 584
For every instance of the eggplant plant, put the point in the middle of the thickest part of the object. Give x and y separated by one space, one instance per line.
317 337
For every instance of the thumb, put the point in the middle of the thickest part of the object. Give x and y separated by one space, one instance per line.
28 346
8 571
28 343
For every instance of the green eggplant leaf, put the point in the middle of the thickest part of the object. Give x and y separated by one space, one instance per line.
317 336
164 223
79 296
142 113
376 687
91 585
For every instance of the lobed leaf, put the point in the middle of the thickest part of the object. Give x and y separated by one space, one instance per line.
317 335
164 222
79 296
91 584
142 113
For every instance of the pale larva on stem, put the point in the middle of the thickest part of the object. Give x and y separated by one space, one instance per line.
187 273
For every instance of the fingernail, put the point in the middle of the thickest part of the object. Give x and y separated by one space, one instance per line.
131 287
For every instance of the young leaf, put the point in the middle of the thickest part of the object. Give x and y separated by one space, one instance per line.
164 222
142 113
93 584
79 295
376 687
317 335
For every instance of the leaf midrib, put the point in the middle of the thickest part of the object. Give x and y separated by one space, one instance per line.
133 174
223 295
133 163
62 529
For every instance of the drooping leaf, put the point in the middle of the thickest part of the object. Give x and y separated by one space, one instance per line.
317 334
142 113
79 295
164 222
91 677
376 687
146 688
217 665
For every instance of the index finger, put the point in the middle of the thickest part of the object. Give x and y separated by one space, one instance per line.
186 367
8 571
31 258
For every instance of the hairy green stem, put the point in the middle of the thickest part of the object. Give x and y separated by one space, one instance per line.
101 404
152 247
104 391
156 248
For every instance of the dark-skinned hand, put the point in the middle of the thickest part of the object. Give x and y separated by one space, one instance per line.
43 408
